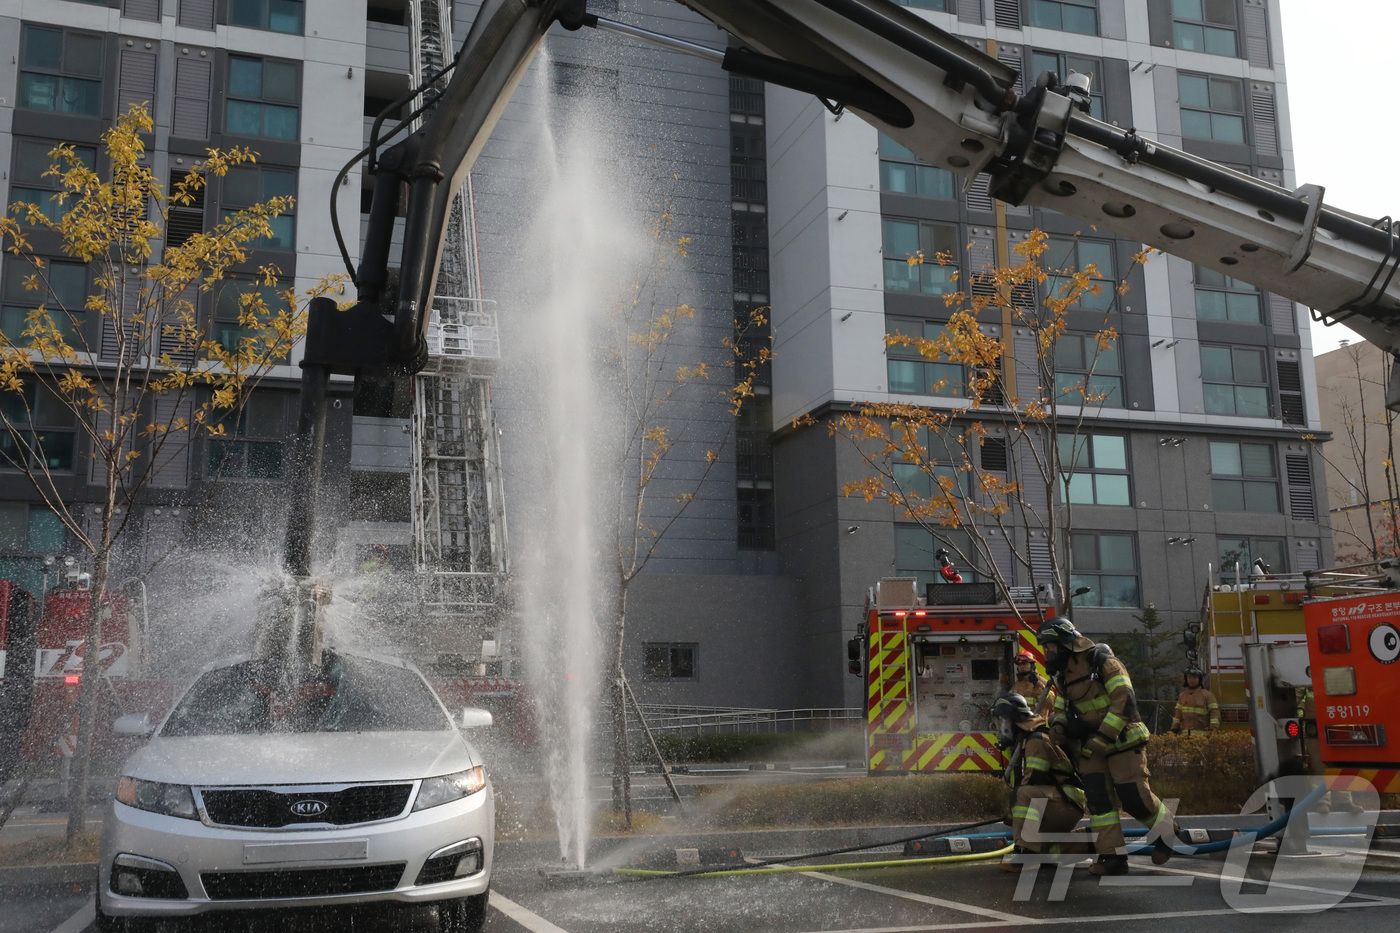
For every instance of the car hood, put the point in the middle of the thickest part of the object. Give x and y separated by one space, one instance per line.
314 758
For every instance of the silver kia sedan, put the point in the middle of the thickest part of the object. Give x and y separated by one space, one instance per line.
343 785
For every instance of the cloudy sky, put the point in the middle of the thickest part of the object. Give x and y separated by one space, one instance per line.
1339 58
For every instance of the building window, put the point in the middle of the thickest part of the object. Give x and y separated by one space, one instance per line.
60 71
908 372
756 519
669 660
41 433
1212 107
1081 16
1075 254
943 6
1097 465
916 554
1245 551
1205 26
902 172
28 534
1065 65
232 300
945 464
1234 382
1220 297
1243 477
1088 369
28 181
63 291
906 239
1107 564
251 445
263 95
247 185
274 15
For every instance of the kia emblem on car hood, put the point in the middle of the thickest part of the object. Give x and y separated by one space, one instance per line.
309 807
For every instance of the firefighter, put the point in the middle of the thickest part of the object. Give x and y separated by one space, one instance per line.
1095 715
1047 794
1028 683
1196 709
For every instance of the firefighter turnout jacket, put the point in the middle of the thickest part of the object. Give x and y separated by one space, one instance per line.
1095 705
1196 710
1048 800
1094 701
1031 686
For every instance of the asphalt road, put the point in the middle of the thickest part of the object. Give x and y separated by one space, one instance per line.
1339 887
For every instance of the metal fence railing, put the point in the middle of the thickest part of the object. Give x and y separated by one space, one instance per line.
695 720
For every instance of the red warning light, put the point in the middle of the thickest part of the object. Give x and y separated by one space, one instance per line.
1293 728
71 680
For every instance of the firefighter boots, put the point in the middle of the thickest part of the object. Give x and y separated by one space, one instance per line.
1110 865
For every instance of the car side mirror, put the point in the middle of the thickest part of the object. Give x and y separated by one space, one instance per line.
473 716
134 724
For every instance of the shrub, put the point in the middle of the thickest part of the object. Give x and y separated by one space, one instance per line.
916 798
1209 772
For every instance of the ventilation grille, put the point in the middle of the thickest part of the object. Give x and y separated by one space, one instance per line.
1300 487
979 198
995 458
1261 99
1290 393
1256 33
1008 13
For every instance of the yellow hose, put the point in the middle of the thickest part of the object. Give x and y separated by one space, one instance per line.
849 866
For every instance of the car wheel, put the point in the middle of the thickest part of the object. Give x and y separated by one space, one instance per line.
466 915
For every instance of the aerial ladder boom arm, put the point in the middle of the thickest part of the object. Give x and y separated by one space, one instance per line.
951 104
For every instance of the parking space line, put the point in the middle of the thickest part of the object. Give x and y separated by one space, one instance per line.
80 920
920 898
1106 918
526 918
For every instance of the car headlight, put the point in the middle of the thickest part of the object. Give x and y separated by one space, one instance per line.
439 790
170 799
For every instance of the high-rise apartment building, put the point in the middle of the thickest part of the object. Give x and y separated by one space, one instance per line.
1199 450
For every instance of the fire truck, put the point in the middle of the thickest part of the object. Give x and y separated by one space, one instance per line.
1353 641
1261 608
933 665
43 659
1344 655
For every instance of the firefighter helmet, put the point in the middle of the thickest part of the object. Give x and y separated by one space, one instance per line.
1200 676
1025 657
1059 630
1012 707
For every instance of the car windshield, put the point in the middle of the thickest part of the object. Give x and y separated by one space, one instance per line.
347 694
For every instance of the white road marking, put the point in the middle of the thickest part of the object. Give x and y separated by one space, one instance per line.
1107 918
920 898
81 920
528 919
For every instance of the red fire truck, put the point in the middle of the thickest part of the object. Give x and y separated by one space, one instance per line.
933 666
45 657
1353 647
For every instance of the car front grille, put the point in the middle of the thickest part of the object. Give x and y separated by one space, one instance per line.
308 882
262 808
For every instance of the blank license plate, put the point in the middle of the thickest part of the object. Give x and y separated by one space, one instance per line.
262 853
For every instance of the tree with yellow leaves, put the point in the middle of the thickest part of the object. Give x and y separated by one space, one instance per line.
999 459
116 345
651 376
